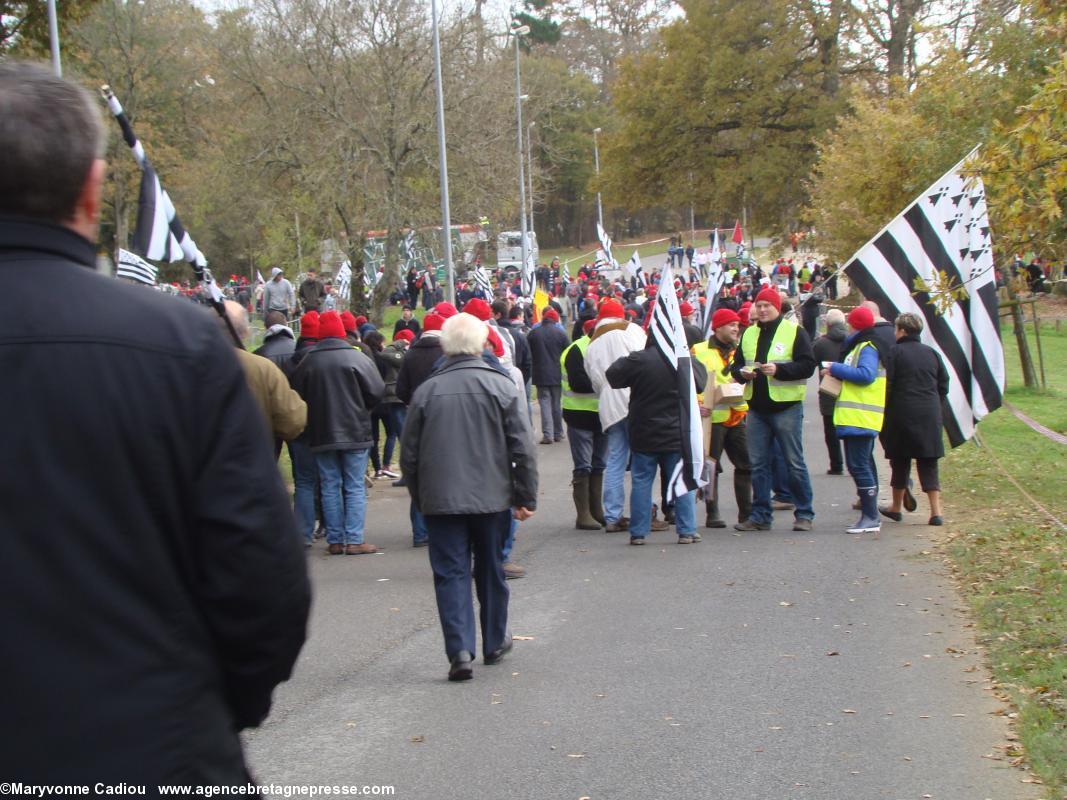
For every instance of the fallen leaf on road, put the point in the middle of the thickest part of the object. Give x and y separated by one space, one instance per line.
418 739
350 724
575 755
784 603
523 638
382 580
847 711
394 609
833 653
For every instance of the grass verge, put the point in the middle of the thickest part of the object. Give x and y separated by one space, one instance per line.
1011 558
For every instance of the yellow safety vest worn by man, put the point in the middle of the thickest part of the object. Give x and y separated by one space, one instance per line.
587 440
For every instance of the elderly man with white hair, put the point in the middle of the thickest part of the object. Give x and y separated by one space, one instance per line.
469 460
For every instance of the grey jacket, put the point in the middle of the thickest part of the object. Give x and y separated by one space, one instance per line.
278 296
467 446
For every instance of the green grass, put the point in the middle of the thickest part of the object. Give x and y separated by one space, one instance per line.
1011 559
623 251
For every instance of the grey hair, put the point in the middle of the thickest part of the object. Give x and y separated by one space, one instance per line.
463 335
910 323
51 132
835 316
238 317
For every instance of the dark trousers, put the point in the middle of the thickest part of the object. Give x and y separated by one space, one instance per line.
833 444
454 540
926 467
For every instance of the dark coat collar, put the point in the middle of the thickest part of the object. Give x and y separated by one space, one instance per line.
22 235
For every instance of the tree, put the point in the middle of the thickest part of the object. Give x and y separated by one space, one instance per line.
24 24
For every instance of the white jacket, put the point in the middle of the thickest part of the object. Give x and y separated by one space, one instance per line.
607 347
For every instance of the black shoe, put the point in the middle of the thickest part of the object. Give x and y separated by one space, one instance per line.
835 472
909 500
461 667
400 482
421 543
896 516
936 520
497 655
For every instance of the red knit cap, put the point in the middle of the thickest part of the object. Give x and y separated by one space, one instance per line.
723 316
360 321
771 296
477 307
330 326
309 325
445 309
588 325
686 308
742 315
494 341
348 319
612 309
406 335
432 322
551 315
861 318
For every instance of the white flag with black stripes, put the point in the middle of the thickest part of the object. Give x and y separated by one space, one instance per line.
605 245
669 336
132 267
944 233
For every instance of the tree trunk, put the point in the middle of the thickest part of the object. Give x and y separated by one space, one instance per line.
1026 361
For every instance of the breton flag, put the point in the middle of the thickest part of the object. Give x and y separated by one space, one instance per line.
159 234
944 233
481 280
633 266
259 277
716 250
716 279
605 245
344 281
132 267
566 273
669 337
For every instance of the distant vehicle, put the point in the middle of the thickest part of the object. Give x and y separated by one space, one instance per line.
509 248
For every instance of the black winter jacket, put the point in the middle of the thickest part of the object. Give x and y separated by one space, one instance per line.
341 387
579 381
653 422
153 589
801 367
278 345
547 343
522 357
418 366
917 387
829 347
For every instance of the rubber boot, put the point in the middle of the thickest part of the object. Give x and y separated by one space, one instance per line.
869 522
584 521
596 496
743 494
712 506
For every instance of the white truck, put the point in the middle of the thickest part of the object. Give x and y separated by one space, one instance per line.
509 248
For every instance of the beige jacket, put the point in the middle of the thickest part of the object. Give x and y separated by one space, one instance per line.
283 409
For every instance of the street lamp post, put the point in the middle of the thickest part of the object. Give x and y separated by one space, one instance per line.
596 161
529 169
442 160
518 30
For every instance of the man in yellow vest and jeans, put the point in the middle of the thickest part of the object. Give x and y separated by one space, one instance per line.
726 422
589 444
776 362
859 412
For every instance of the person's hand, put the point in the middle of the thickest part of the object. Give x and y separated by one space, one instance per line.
823 373
705 412
521 513
768 369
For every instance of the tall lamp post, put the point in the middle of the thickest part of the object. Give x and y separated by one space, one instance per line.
596 161
53 38
518 30
529 170
442 160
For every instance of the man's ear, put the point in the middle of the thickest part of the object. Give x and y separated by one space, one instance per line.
86 217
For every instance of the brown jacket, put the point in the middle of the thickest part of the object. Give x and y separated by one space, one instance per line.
283 410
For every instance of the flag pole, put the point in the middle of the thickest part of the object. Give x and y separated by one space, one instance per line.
53 37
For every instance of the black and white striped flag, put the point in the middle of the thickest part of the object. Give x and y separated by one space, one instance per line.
669 337
605 245
344 281
159 234
716 279
943 234
481 280
132 267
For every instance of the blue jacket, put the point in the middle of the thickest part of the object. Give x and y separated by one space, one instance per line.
864 373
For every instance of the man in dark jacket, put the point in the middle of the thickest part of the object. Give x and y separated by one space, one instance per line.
407 322
311 291
829 348
883 334
547 342
340 386
152 586
469 411
279 342
655 428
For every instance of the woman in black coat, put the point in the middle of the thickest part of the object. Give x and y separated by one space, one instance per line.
917 385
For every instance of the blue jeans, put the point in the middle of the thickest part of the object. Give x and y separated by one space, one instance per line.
643 471
454 539
392 416
418 525
780 486
344 496
509 541
305 479
589 450
615 471
787 429
859 457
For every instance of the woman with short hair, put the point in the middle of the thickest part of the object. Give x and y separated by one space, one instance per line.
917 385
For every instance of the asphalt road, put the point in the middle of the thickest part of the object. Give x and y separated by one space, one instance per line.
748 666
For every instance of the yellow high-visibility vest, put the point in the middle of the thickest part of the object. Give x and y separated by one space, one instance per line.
781 350
861 406
576 401
712 359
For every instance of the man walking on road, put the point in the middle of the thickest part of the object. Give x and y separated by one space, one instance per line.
312 292
776 362
153 592
468 407
278 295
547 342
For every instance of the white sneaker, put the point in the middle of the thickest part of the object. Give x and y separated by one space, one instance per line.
388 473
